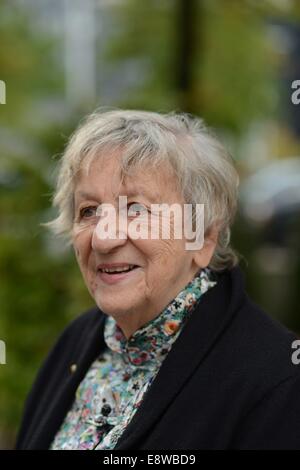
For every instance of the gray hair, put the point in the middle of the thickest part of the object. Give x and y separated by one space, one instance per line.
203 168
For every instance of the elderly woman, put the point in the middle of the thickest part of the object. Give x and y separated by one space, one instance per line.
174 355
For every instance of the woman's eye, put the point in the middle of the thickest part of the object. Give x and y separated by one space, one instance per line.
135 209
87 212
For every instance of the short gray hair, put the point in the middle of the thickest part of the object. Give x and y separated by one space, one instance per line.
203 168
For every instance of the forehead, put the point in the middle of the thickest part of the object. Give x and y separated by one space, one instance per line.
103 178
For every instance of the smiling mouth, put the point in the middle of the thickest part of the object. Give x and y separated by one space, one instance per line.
120 270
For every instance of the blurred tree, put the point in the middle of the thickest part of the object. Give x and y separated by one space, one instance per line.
25 57
190 43
209 57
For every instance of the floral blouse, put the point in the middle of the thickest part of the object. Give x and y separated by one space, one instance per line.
114 386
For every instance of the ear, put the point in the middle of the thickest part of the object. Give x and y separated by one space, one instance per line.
203 256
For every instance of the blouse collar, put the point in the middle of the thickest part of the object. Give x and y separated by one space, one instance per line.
149 345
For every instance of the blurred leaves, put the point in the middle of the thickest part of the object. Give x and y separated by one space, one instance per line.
229 78
25 58
232 79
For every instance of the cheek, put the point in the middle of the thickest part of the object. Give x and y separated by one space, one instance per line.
171 249
82 248
160 254
173 259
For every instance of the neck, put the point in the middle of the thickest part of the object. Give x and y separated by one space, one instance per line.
129 324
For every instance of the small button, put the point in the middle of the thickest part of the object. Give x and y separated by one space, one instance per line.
100 421
106 409
73 368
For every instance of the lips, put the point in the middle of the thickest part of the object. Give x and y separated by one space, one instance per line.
116 268
114 273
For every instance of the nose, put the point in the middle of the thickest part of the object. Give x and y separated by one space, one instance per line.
109 233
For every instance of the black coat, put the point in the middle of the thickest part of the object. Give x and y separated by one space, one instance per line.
227 383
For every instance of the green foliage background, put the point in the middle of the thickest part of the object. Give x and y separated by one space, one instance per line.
231 83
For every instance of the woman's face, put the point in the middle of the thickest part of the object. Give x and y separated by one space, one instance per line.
163 266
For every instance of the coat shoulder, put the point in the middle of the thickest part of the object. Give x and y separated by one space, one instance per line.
55 369
75 334
262 347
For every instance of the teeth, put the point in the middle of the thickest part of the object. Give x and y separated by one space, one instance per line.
118 270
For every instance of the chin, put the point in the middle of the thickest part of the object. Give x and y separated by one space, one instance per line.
113 308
